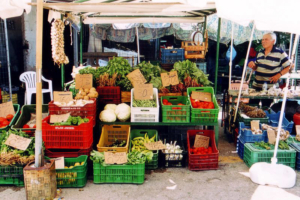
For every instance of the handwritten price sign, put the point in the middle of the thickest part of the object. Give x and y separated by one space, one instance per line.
18 142
6 108
83 81
65 97
170 78
201 141
143 92
155 145
59 118
202 96
136 78
115 158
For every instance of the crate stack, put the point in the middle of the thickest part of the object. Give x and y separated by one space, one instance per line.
69 141
109 94
170 56
117 173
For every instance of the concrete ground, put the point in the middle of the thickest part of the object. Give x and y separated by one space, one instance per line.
174 183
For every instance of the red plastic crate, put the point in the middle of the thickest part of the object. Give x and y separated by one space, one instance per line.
88 110
109 94
67 137
207 161
67 153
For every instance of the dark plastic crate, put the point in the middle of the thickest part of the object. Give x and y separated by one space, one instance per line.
25 116
14 119
109 94
296 147
240 148
12 175
170 56
248 136
141 133
207 161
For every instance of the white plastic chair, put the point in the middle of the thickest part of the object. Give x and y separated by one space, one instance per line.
29 78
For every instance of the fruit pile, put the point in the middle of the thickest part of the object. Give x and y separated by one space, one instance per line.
201 150
4 121
201 104
167 103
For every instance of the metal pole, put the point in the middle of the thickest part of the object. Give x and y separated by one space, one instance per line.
138 44
39 52
8 60
217 56
81 38
230 63
75 47
274 159
62 69
244 71
204 25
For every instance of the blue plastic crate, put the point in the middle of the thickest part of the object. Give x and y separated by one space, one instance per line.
274 121
240 148
296 147
248 136
170 56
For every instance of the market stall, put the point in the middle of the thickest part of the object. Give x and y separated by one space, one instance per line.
162 122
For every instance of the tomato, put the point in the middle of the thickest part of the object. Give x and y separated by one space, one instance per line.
169 104
180 104
5 123
9 117
2 119
165 101
34 126
26 126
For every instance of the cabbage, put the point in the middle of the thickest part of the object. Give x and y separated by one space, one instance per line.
123 112
110 107
107 116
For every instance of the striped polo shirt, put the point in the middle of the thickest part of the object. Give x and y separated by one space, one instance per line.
270 65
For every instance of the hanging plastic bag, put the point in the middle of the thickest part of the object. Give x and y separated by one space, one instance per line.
228 53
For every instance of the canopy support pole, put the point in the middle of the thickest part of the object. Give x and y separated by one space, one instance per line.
274 159
230 63
75 47
62 69
39 52
244 71
204 25
138 44
81 38
217 56
8 60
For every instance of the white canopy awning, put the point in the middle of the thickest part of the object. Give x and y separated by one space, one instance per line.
13 8
273 15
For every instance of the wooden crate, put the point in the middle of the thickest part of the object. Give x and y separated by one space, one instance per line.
6 97
194 54
195 51
191 46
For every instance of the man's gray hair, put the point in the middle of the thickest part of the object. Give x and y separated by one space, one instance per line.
273 36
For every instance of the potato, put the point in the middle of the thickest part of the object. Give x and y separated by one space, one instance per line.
92 89
81 90
86 90
83 93
86 98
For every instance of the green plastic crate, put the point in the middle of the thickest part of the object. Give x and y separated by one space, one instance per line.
204 115
292 140
141 133
174 113
247 121
25 117
119 173
12 175
12 122
75 177
254 154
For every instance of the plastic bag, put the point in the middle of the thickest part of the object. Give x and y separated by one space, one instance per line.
228 53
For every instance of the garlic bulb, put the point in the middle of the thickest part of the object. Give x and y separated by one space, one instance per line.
57 42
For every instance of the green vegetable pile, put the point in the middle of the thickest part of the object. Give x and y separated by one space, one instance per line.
282 145
149 71
118 143
72 121
151 103
138 145
12 156
133 158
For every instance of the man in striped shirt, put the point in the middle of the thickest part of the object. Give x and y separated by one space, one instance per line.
271 63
